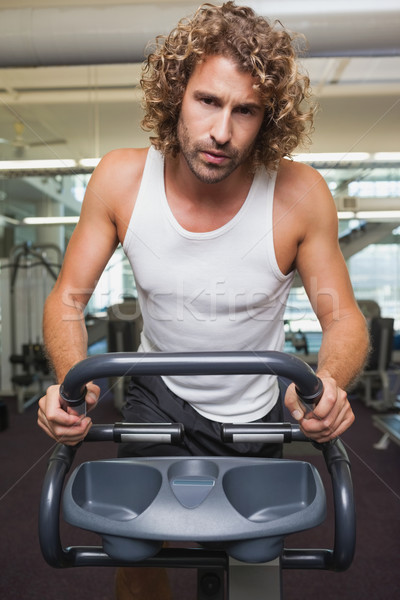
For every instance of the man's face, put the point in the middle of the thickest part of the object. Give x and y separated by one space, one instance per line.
220 118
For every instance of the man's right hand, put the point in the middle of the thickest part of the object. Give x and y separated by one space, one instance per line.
62 423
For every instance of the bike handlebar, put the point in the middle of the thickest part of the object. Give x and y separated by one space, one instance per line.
308 386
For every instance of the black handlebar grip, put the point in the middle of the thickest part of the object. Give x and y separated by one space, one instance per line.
77 403
314 398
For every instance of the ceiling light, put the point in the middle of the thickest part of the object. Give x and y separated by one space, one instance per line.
378 214
89 162
50 220
345 214
387 156
332 157
6 165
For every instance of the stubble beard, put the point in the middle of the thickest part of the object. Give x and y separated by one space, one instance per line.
204 171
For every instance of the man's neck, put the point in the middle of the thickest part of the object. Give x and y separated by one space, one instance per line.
199 206
180 179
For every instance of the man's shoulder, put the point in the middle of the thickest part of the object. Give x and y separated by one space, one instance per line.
116 180
124 161
297 181
292 171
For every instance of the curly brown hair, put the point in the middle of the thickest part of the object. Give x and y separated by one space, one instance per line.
265 51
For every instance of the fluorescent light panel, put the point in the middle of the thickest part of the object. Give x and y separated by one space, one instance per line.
50 220
89 162
387 156
345 215
6 165
365 215
377 214
347 157
332 157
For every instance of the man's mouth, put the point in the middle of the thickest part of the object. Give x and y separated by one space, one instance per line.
216 158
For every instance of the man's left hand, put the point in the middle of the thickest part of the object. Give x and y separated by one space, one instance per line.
330 417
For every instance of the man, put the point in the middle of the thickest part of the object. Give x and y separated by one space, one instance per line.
214 221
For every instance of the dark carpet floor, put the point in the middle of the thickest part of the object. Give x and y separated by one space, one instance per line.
374 575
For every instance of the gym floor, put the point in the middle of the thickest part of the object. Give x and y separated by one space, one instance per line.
375 573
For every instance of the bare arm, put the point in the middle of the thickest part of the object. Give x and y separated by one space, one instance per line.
344 333
94 240
327 283
90 247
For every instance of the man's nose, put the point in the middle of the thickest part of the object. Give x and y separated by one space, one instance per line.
221 130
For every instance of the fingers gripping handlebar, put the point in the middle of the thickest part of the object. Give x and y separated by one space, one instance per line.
308 386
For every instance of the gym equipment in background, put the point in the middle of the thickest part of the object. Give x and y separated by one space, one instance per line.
26 278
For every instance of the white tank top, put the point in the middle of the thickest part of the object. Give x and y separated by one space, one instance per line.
213 291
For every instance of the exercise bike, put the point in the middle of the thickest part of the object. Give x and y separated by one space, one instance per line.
238 510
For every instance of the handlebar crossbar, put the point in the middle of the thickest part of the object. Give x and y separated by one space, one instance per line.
122 364
161 433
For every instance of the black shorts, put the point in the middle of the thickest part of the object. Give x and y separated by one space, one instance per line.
149 400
